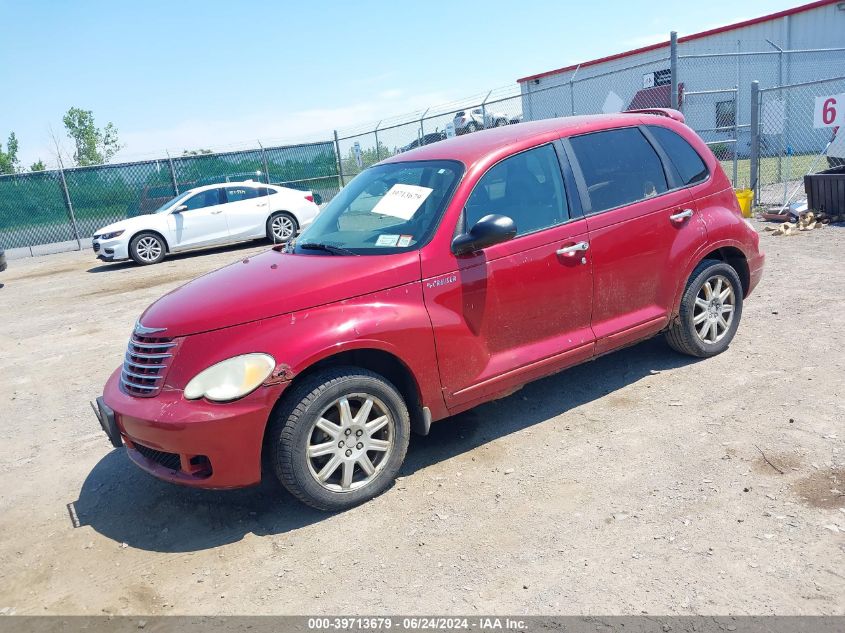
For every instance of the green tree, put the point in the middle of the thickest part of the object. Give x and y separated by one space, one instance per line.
196 152
9 159
93 145
38 166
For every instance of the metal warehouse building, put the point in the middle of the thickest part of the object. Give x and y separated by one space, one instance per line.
715 69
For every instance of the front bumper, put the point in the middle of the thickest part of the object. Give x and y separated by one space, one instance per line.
110 250
194 442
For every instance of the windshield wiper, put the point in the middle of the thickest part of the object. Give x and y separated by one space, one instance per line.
329 248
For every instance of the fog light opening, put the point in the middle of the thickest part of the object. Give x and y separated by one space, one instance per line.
200 466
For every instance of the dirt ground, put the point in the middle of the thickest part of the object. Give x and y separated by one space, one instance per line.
643 482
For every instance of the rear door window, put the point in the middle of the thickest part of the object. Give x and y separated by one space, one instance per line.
527 187
238 193
690 166
619 167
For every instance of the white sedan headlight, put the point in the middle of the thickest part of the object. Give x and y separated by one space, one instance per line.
231 379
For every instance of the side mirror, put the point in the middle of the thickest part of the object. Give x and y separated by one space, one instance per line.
180 208
489 230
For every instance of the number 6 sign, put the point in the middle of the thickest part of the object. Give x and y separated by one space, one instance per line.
829 111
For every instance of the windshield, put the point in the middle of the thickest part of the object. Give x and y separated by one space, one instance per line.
177 200
385 209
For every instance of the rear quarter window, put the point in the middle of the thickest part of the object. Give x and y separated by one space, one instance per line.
685 159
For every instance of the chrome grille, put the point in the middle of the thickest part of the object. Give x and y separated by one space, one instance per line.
145 365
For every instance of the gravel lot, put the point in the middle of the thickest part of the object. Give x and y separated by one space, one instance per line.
633 484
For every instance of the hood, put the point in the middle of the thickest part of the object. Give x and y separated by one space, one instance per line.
138 222
274 283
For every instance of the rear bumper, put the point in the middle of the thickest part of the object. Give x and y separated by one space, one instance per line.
194 442
755 271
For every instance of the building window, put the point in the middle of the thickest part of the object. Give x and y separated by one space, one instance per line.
662 77
726 113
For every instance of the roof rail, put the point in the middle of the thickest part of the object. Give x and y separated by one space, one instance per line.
667 112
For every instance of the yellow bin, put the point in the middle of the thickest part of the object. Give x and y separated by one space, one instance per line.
744 197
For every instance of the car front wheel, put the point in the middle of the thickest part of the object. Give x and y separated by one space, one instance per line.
710 311
339 438
147 248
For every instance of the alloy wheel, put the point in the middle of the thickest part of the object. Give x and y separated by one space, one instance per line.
713 312
282 228
148 248
350 442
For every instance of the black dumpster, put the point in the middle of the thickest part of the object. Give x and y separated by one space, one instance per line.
826 191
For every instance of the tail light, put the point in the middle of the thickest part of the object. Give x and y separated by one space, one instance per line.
310 198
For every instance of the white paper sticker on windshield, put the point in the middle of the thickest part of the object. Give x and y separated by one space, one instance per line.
402 201
387 240
404 240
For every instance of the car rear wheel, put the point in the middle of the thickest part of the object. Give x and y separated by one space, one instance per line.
710 311
147 248
281 227
339 438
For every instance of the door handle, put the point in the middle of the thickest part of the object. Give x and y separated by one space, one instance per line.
569 251
681 215
216 212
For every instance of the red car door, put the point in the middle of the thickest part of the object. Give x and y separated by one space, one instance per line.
519 309
643 227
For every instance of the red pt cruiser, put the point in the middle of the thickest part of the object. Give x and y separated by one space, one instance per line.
436 280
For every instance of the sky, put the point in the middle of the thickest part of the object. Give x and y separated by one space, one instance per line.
184 74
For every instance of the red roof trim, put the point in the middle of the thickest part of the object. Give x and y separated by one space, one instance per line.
686 38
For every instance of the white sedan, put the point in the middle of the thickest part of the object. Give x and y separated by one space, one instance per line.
208 216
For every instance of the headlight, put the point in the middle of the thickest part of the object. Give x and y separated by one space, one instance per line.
231 379
108 236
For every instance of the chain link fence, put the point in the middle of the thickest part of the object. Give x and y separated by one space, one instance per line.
359 149
713 89
789 145
719 103
68 205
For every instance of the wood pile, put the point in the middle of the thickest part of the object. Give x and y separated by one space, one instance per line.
807 221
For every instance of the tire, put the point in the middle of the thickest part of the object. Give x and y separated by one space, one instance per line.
687 334
321 480
147 248
501 123
281 227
